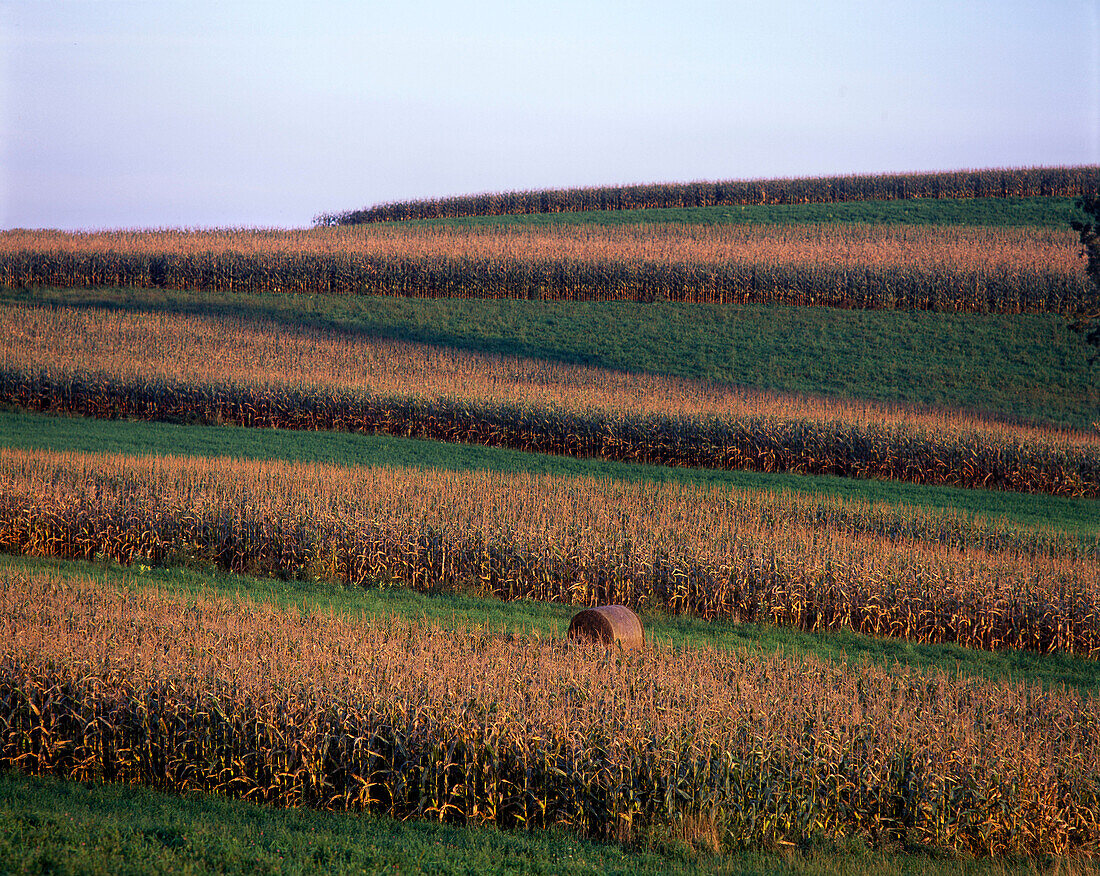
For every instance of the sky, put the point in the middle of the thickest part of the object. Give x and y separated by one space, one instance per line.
218 113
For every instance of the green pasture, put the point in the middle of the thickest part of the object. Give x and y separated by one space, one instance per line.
1036 212
55 827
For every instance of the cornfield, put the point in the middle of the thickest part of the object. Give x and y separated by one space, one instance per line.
223 370
943 269
679 549
464 726
991 183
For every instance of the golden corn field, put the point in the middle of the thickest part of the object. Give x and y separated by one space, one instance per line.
105 679
202 369
992 183
466 726
679 549
956 269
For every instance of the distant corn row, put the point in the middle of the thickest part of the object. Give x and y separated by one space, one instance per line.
956 270
673 548
466 727
763 444
992 183
914 288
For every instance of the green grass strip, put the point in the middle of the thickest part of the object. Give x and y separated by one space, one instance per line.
1029 367
18 429
1036 212
53 826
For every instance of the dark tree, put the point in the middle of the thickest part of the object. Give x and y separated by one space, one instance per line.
1088 323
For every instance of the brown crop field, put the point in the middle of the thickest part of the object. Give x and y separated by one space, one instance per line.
220 369
102 679
990 183
675 548
465 726
953 269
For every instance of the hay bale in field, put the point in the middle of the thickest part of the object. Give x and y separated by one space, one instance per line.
608 624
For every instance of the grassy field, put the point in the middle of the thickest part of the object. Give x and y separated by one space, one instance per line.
949 186
50 826
1028 367
1037 212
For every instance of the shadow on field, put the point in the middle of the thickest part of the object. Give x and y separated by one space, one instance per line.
397 319
1018 369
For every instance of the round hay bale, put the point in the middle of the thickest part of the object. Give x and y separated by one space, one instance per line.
607 624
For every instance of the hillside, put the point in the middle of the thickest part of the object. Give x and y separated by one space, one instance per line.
962 184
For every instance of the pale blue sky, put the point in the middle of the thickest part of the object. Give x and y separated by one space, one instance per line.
215 112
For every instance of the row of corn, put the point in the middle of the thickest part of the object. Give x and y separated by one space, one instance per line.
671 547
985 290
946 269
992 183
763 444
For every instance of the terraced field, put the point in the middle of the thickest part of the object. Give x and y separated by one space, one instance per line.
873 614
